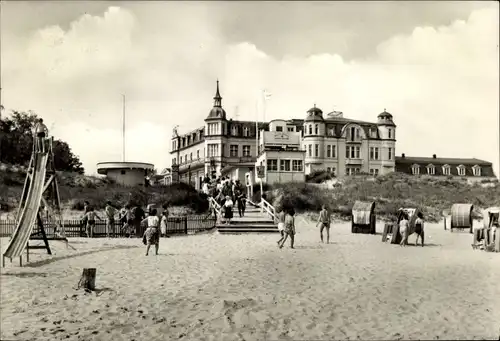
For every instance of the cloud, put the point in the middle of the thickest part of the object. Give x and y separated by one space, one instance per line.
440 83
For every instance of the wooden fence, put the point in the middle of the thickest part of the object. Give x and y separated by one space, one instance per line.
76 228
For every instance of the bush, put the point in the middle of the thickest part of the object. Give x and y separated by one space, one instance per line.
389 192
319 176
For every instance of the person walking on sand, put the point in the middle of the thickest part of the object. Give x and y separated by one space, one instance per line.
40 133
110 218
324 222
281 225
289 228
152 234
419 228
91 215
163 222
403 229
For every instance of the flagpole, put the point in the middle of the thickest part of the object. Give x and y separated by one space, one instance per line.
123 128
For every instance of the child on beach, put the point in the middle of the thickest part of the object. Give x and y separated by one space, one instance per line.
163 222
281 224
289 228
324 222
90 217
152 234
110 218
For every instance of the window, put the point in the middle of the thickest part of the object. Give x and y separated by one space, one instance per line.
279 128
316 150
334 171
290 129
174 161
334 151
198 154
328 169
431 170
461 170
234 130
353 131
328 151
373 153
213 129
446 170
285 165
246 132
476 170
374 171
352 170
352 152
310 150
233 150
123 172
310 129
415 169
357 134
390 153
297 165
316 129
390 133
213 150
246 151
191 157
272 165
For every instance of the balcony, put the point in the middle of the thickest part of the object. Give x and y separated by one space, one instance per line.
247 159
354 162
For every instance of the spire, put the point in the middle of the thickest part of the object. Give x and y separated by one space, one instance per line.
217 98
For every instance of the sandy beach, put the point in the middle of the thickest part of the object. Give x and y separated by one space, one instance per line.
242 287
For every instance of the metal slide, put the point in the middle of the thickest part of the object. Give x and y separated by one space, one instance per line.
24 227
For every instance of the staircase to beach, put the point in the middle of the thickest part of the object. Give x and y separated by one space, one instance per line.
254 221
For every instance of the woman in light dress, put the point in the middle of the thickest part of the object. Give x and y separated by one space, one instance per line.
152 234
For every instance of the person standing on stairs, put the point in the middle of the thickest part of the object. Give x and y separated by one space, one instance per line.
228 209
40 133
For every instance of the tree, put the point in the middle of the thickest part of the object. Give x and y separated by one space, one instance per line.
17 143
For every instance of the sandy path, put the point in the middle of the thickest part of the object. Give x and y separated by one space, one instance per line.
219 287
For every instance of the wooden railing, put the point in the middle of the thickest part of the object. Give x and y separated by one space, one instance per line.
268 208
75 228
214 206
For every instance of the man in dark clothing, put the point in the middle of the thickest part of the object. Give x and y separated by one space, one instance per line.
139 215
83 226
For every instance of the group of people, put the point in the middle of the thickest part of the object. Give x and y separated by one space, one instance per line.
130 219
227 193
286 225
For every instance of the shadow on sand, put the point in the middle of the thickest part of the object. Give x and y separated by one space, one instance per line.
55 259
26 274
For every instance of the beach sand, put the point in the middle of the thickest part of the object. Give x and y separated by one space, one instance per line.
242 287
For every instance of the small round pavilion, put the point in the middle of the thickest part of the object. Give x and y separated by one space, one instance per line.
126 173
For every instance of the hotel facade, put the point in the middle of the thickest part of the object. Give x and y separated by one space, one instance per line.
288 149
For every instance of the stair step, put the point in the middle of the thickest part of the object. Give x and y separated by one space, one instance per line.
248 226
237 231
251 222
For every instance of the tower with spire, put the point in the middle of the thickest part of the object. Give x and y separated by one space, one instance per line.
216 135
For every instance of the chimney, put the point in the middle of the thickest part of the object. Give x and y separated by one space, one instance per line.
403 155
433 156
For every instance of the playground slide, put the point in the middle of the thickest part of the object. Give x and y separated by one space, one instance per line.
27 220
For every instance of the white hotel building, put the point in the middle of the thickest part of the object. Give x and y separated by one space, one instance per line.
288 149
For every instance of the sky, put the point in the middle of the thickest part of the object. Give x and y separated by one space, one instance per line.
433 65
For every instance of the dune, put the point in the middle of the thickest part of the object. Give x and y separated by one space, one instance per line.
242 287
